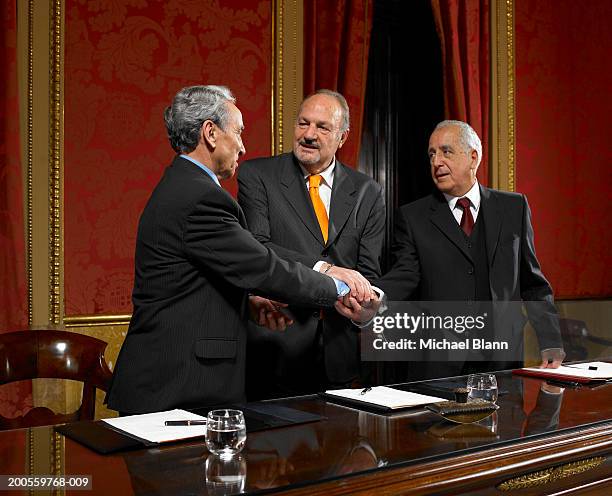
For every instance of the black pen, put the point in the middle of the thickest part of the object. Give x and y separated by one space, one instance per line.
185 422
561 383
364 391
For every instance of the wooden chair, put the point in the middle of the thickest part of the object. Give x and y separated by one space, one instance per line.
53 354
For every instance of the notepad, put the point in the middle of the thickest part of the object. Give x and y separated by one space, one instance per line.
578 372
382 397
151 428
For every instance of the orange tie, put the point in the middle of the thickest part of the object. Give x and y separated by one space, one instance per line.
313 188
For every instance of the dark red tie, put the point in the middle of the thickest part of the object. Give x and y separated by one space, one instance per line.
467 221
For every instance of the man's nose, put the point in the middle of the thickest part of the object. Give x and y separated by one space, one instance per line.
242 150
436 159
311 132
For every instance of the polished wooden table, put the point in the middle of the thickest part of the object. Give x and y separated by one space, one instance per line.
542 440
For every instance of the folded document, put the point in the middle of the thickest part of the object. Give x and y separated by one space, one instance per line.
151 428
382 397
578 372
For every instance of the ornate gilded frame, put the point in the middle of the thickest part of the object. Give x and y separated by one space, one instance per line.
502 121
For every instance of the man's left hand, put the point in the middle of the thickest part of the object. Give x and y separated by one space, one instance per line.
552 358
268 313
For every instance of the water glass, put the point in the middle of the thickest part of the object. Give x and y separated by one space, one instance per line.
225 432
482 387
225 475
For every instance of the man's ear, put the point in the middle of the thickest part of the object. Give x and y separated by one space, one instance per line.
474 157
208 134
343 138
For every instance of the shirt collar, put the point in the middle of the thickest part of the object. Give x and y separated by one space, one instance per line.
473 195
203 167
327 174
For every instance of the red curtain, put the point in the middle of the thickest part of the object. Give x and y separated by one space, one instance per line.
15 399
463 29
563 154
337 43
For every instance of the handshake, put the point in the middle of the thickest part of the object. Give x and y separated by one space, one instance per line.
360 304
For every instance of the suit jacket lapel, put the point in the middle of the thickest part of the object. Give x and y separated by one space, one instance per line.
443 219
493 217
343 200
294 189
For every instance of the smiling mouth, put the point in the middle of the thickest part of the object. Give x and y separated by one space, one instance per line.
309 147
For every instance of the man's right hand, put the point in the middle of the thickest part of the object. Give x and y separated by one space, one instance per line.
359 312
359 285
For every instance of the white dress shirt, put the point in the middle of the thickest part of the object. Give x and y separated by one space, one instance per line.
473 195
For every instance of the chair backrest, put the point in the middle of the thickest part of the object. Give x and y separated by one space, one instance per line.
51 354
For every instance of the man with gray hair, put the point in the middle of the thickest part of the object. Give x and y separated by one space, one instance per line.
468 243
309 207
195 264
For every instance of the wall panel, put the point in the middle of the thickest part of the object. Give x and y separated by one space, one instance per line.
562 139
123 63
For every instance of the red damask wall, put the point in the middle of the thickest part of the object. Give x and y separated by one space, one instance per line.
563 153
123 63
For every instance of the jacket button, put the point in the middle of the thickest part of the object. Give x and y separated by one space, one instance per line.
471 270
315 314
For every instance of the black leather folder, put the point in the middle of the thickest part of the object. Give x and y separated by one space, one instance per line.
104 439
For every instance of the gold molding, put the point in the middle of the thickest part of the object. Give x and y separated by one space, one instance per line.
55 164
502 118
30 165
549 475
277 77
287 71
510 76
96 320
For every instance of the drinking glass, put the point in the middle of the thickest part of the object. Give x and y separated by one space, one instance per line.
225 432
482 387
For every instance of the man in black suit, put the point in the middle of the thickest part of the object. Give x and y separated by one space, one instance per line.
341 228
195 264
474 244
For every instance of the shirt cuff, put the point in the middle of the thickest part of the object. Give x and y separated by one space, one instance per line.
318 265
342 288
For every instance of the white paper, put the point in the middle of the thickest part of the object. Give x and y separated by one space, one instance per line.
386 396
150 426
604 370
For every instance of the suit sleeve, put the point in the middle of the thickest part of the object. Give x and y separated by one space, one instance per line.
216 242
536 291
371 240
403 278
253 198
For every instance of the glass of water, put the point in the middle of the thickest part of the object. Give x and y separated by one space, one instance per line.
225 432
482 387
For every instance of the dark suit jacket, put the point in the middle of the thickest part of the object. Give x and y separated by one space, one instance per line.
195 262
279 212
431 261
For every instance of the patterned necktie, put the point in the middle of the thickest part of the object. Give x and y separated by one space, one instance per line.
467 221
313 188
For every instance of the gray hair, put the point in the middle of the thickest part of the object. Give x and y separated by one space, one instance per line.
467 136
344 108
190 108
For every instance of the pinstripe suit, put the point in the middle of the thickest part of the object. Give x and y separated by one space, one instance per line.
273 195
195 262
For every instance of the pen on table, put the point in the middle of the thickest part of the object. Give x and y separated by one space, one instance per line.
561 383
591 367
185 422
365 390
